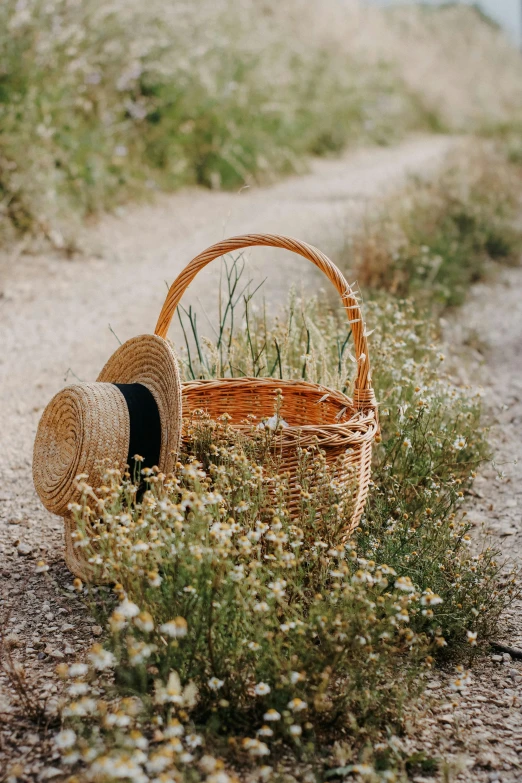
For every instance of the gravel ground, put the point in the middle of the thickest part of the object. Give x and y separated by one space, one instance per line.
480 733
54 317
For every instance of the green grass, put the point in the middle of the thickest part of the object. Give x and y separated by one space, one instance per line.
445 232
102 102
127 100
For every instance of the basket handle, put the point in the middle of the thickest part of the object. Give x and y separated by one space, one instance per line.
364 397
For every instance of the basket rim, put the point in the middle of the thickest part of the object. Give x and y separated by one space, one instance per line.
299 385
249 380
358 427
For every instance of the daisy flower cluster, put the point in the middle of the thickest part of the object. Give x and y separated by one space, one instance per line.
433 444
232 613
231 618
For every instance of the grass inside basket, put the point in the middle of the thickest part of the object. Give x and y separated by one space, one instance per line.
303 414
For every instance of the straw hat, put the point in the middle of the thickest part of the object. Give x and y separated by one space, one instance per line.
134 407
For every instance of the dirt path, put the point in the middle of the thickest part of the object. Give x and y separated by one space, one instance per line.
54 316
479 734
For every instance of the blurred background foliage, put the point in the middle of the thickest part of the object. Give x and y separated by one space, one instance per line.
102 101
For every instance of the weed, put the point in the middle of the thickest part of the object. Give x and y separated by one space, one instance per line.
432 445
26 696
441 237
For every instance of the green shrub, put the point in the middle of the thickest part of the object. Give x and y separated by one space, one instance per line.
433 443
264 598
105 101
441 237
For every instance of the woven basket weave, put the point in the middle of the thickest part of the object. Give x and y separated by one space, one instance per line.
343 428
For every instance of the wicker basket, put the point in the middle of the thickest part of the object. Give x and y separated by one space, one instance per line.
342 428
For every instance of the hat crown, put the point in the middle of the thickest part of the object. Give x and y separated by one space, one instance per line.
83 424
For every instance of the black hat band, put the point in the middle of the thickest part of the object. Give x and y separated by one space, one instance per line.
145 426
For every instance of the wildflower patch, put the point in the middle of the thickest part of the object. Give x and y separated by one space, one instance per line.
239 633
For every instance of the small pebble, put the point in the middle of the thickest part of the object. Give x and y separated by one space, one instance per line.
97 630
496 658
51 772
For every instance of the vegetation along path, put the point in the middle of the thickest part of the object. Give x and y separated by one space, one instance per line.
54 317
479 732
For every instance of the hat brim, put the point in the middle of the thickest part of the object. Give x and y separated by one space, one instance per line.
150 360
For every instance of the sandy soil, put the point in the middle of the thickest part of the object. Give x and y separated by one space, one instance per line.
54 317
479 734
